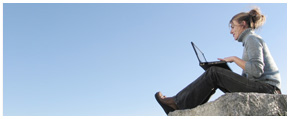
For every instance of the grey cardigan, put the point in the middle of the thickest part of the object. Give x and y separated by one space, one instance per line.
260 65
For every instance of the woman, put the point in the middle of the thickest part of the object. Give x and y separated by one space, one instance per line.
260 73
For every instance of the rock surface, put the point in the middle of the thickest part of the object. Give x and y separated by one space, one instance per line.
240 104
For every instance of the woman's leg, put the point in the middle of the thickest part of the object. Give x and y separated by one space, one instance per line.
199 91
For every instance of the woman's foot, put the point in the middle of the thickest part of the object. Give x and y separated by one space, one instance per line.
169 101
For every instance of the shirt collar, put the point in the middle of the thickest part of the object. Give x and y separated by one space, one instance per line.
243 34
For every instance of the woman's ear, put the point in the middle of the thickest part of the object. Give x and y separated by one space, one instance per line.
244 24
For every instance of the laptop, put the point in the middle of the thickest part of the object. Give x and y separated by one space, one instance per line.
204 63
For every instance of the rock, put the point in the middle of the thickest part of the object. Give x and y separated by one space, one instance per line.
240 104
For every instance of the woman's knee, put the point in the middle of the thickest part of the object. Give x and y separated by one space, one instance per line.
214 69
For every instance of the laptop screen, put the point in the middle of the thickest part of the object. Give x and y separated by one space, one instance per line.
199 54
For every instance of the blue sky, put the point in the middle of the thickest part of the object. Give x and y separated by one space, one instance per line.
110 59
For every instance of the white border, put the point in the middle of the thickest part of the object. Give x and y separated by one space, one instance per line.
145 1
1 60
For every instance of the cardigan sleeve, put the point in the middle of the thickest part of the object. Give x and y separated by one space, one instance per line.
255 65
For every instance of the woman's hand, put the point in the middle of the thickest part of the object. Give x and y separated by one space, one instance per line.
241 63
228 59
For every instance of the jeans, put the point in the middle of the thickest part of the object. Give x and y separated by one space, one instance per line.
199 91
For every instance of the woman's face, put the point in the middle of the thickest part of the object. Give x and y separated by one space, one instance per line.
236 29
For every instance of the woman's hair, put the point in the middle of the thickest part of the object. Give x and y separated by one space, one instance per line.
254 19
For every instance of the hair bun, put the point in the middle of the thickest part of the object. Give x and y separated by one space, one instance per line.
254 12
256 18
